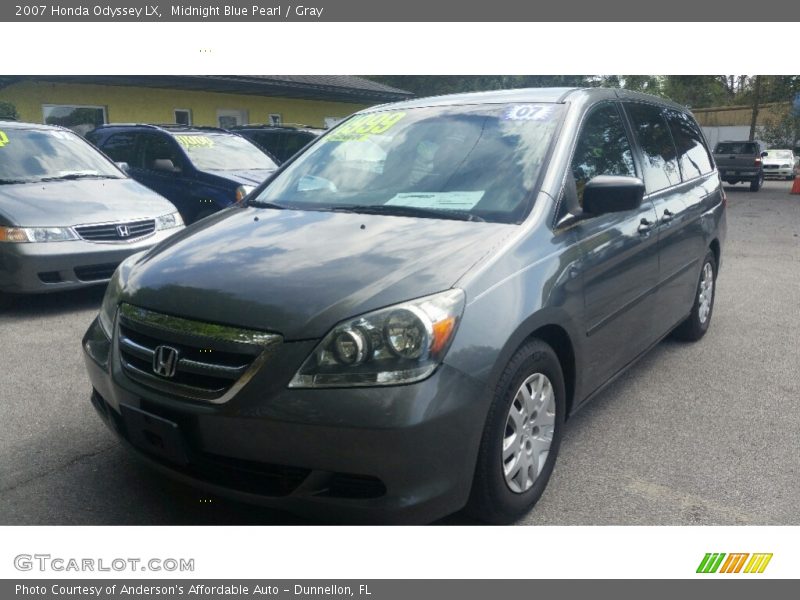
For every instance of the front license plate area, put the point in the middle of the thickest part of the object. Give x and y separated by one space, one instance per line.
154 435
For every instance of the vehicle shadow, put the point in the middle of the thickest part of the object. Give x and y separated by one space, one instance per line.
56 303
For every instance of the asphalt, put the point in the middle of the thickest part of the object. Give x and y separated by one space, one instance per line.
694 434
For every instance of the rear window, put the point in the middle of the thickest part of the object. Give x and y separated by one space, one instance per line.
736 148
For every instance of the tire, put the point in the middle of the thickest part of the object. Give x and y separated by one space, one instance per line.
756 184
492 499
699 320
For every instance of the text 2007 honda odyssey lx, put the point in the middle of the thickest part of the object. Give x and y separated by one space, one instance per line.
398 323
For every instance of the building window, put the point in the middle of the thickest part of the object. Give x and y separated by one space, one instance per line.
275 119
227 118
81 119
183 116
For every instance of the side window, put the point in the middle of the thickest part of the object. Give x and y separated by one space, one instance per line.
692 153
602 149
660 158
158 153
121 147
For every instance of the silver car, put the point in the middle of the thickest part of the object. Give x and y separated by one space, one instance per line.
68 214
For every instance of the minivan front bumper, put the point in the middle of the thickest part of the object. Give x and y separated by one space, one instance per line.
401 454
55 266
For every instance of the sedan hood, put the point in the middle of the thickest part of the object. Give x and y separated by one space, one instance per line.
246 177
79 202
301 272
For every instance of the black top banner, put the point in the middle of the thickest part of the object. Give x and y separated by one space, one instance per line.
403 11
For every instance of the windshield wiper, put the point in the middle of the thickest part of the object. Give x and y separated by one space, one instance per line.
408 211
10 181
266 204
74 176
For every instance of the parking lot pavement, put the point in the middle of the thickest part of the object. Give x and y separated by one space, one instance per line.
703 433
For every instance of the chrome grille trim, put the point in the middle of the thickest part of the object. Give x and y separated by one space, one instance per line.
107 232
255 348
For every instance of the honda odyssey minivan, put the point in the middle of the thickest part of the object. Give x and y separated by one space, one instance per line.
397 337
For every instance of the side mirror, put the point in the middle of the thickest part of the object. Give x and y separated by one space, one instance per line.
123 166
612 193
763 154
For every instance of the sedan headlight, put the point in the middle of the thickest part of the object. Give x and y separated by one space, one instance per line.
169 221
403 343
242 191
37 234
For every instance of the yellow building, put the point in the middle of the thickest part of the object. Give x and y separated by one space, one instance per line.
83 102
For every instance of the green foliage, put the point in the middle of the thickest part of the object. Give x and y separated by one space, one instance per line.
8 110
694 91
782 130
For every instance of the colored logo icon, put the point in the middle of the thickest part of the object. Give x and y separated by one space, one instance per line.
719 562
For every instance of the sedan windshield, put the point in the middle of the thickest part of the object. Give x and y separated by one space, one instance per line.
30 155
780 154
477 162
210 151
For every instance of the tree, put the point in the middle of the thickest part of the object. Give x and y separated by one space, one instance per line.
782 130
8 110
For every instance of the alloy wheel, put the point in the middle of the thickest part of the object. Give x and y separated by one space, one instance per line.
706 293
528 435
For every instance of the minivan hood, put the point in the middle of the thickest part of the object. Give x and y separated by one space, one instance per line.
78 202
244 177
301 272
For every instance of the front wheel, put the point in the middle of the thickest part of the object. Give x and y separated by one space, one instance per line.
698 321
521 437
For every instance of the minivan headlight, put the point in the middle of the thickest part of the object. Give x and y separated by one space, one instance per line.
37 234
169 221
108 309
403 343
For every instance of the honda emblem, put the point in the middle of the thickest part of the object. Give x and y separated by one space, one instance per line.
165 361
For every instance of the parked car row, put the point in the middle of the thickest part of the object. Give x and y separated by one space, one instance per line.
93 213
750 162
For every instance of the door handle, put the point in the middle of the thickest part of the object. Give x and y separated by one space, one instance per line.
645 226
668 214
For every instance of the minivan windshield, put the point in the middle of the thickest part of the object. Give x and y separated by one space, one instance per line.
31 155
736 148
211 151
476 162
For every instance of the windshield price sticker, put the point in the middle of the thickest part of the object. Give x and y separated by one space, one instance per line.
193 141
528 112
458 200
363 126
3 138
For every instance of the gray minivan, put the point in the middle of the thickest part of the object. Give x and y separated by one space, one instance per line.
399 322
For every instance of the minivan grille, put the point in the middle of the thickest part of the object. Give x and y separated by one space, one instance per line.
116 232
189 359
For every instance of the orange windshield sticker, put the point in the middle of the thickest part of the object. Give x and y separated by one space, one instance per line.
3 138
